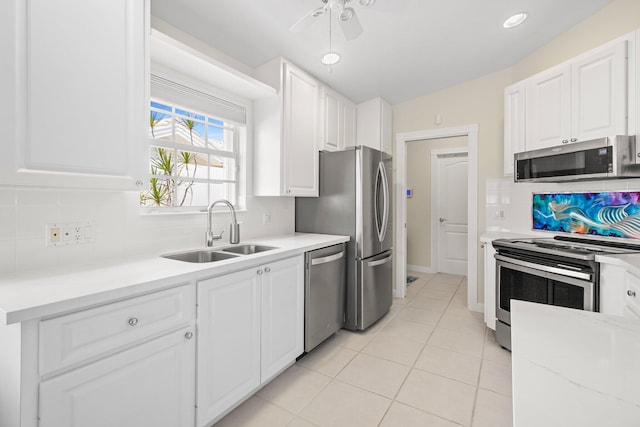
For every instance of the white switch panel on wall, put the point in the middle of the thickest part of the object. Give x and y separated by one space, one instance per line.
70 233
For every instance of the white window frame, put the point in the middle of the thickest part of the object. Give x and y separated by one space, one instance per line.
239 146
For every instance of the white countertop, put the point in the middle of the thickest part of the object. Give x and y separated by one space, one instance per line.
31 295
574 368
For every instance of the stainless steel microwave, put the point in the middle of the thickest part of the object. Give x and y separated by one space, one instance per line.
604 158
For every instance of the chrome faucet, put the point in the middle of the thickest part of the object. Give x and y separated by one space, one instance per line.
234 228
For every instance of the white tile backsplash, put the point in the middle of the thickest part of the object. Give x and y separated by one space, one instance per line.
119 227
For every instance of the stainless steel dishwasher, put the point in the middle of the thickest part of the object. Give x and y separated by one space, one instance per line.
324 294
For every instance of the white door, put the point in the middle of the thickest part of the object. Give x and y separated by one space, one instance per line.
282 315
451 188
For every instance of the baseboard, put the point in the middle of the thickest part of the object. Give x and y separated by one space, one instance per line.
418 268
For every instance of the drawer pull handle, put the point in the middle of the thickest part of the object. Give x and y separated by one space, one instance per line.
188 335
631 293
133 321
267 270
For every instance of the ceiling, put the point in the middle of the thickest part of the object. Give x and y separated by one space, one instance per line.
408 48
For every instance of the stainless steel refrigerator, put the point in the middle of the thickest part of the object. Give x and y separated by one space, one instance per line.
355 200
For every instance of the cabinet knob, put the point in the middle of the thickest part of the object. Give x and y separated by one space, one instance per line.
139 183
631 293
574 139
267 270
188 335
133 321
565 141
259 272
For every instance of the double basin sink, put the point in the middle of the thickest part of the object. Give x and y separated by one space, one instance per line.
213 255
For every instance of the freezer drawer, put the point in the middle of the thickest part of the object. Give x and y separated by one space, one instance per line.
375 289
324 294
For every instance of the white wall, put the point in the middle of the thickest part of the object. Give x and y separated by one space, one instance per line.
120 229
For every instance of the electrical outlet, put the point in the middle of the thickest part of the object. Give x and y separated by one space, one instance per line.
69 234
266 218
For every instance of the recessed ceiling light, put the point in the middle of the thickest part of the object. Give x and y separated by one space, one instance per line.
330 58
515 20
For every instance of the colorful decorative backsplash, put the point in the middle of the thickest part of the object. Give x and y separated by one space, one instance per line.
610 213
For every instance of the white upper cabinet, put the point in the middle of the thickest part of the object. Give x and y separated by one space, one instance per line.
599 93
338 121
514 123
374 125
581 99
76 78
547 108
286 141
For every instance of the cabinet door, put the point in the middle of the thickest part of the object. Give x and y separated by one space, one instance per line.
300 133
547 108
386 131
85 112
489 286
151 385
332 139
349 120
599 93
282 315
514 124
612 281
228 362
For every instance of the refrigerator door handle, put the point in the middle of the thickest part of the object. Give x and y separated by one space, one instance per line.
385 187
381 181
326 259
379 261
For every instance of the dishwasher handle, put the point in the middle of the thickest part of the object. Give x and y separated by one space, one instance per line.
326 259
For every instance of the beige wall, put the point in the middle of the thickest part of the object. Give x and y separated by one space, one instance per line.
480 101
419 206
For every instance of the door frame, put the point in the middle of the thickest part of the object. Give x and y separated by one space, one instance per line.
434 199
471 132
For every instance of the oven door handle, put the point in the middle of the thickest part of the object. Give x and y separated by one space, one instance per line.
541 267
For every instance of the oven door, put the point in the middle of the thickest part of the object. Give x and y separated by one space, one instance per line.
544 283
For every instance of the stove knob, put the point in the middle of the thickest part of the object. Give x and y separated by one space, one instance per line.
631 293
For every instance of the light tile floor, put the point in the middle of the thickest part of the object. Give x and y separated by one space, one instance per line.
428 362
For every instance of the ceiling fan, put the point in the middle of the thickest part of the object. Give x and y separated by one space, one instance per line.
346 15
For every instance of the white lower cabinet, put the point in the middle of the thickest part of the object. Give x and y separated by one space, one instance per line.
151 385
282 315
489 285
228 358
250 327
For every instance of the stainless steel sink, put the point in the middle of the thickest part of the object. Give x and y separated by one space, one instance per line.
200 256
248 249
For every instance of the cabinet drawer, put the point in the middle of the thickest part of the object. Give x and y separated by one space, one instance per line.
73 338
632 292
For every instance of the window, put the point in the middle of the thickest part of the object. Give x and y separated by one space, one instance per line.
193 155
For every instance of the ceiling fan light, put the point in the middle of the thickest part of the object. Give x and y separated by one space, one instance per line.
346 14
515 20
367 2
330 58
